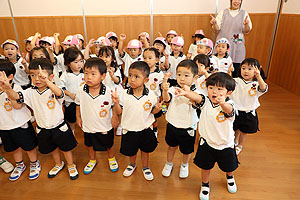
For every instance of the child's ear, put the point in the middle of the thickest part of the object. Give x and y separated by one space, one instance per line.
10 77
195 77
229 93
50 77
146 80
103 76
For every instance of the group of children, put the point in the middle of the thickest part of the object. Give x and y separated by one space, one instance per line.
128 90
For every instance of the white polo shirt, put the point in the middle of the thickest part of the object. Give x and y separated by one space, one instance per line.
60 63
136 115
95 111
128 61
246 94
215 126
173 62
71 82
118 59
155 80
12 118
222 64
47 107
181 113
201 85
21 77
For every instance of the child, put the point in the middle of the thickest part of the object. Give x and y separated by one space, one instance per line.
169 37
45 99
113 75
222 60
137 105
216 132
134 48
160 44
175 57
100 42
249 87
156 76
144 38
28 45
93 113
205 46
16 129
203 68
199 35
71 80
181 117
114 43
81 42
11 51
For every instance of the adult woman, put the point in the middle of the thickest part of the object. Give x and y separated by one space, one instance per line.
232 23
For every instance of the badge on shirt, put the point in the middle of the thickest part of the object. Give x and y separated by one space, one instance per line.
51 102
252 91
153 86
103 112
221 117
147 105
203 84
82 83
7 106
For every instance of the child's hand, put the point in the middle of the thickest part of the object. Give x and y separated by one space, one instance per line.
220 99
188 56
122 36
43 77
79 122
114 96
4 82
72 96
103 42
159 104
50 49
212 20
37 35
181 35
246 21
91 42
230 68
56 35
256 71
165 85
24 61
111 71
160 35
181 91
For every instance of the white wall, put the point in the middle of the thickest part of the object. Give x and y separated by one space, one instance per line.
130 7
291 7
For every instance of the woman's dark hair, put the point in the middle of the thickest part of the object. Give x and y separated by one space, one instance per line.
70 55
40 48
190 64
156 52
97 63
221 79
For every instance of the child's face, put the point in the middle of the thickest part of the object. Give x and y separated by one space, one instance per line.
134 52
200 65
170 37
216 91
106 58
80 44
149 58
185 76
45 44
236 4
93 77
34 74
113 43
159 47
66 46
77 64
201 49
28 46
38 54
175 48
10 51
136 78
197 38
221 49
97 48
247 72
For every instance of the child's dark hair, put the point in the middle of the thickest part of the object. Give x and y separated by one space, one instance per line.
141 66
190 64
159 42
7 67
40 48
198 36
221 79
97 63
43 62
70 55
156 52
251 62
202 59
116 40
108 50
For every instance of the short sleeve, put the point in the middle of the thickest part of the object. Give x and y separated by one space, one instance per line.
78 96
63 80
25 97
121 97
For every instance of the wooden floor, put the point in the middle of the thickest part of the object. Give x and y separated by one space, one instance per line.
269 169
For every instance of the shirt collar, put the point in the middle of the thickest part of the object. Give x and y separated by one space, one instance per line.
180 54
101 91
145 91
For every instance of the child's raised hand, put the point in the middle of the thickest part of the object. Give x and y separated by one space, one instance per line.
230 68
246 21
181 35
181 91
111 71
212 20
122 36
114 96
4 82
24 61
91 42
160 35
256 71
42 75
220 99
56 35
37 35
50 49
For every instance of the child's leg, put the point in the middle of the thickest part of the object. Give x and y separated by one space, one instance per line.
92 162
113 165
145 159
92 153
146 169
186 158
236 137
35 166
131 167
231 185
69 157
56 156
242 138
169 164
32 155
204 193
170 153
18 155
111 152
71 166
72 126
184 168
132 160
205 175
